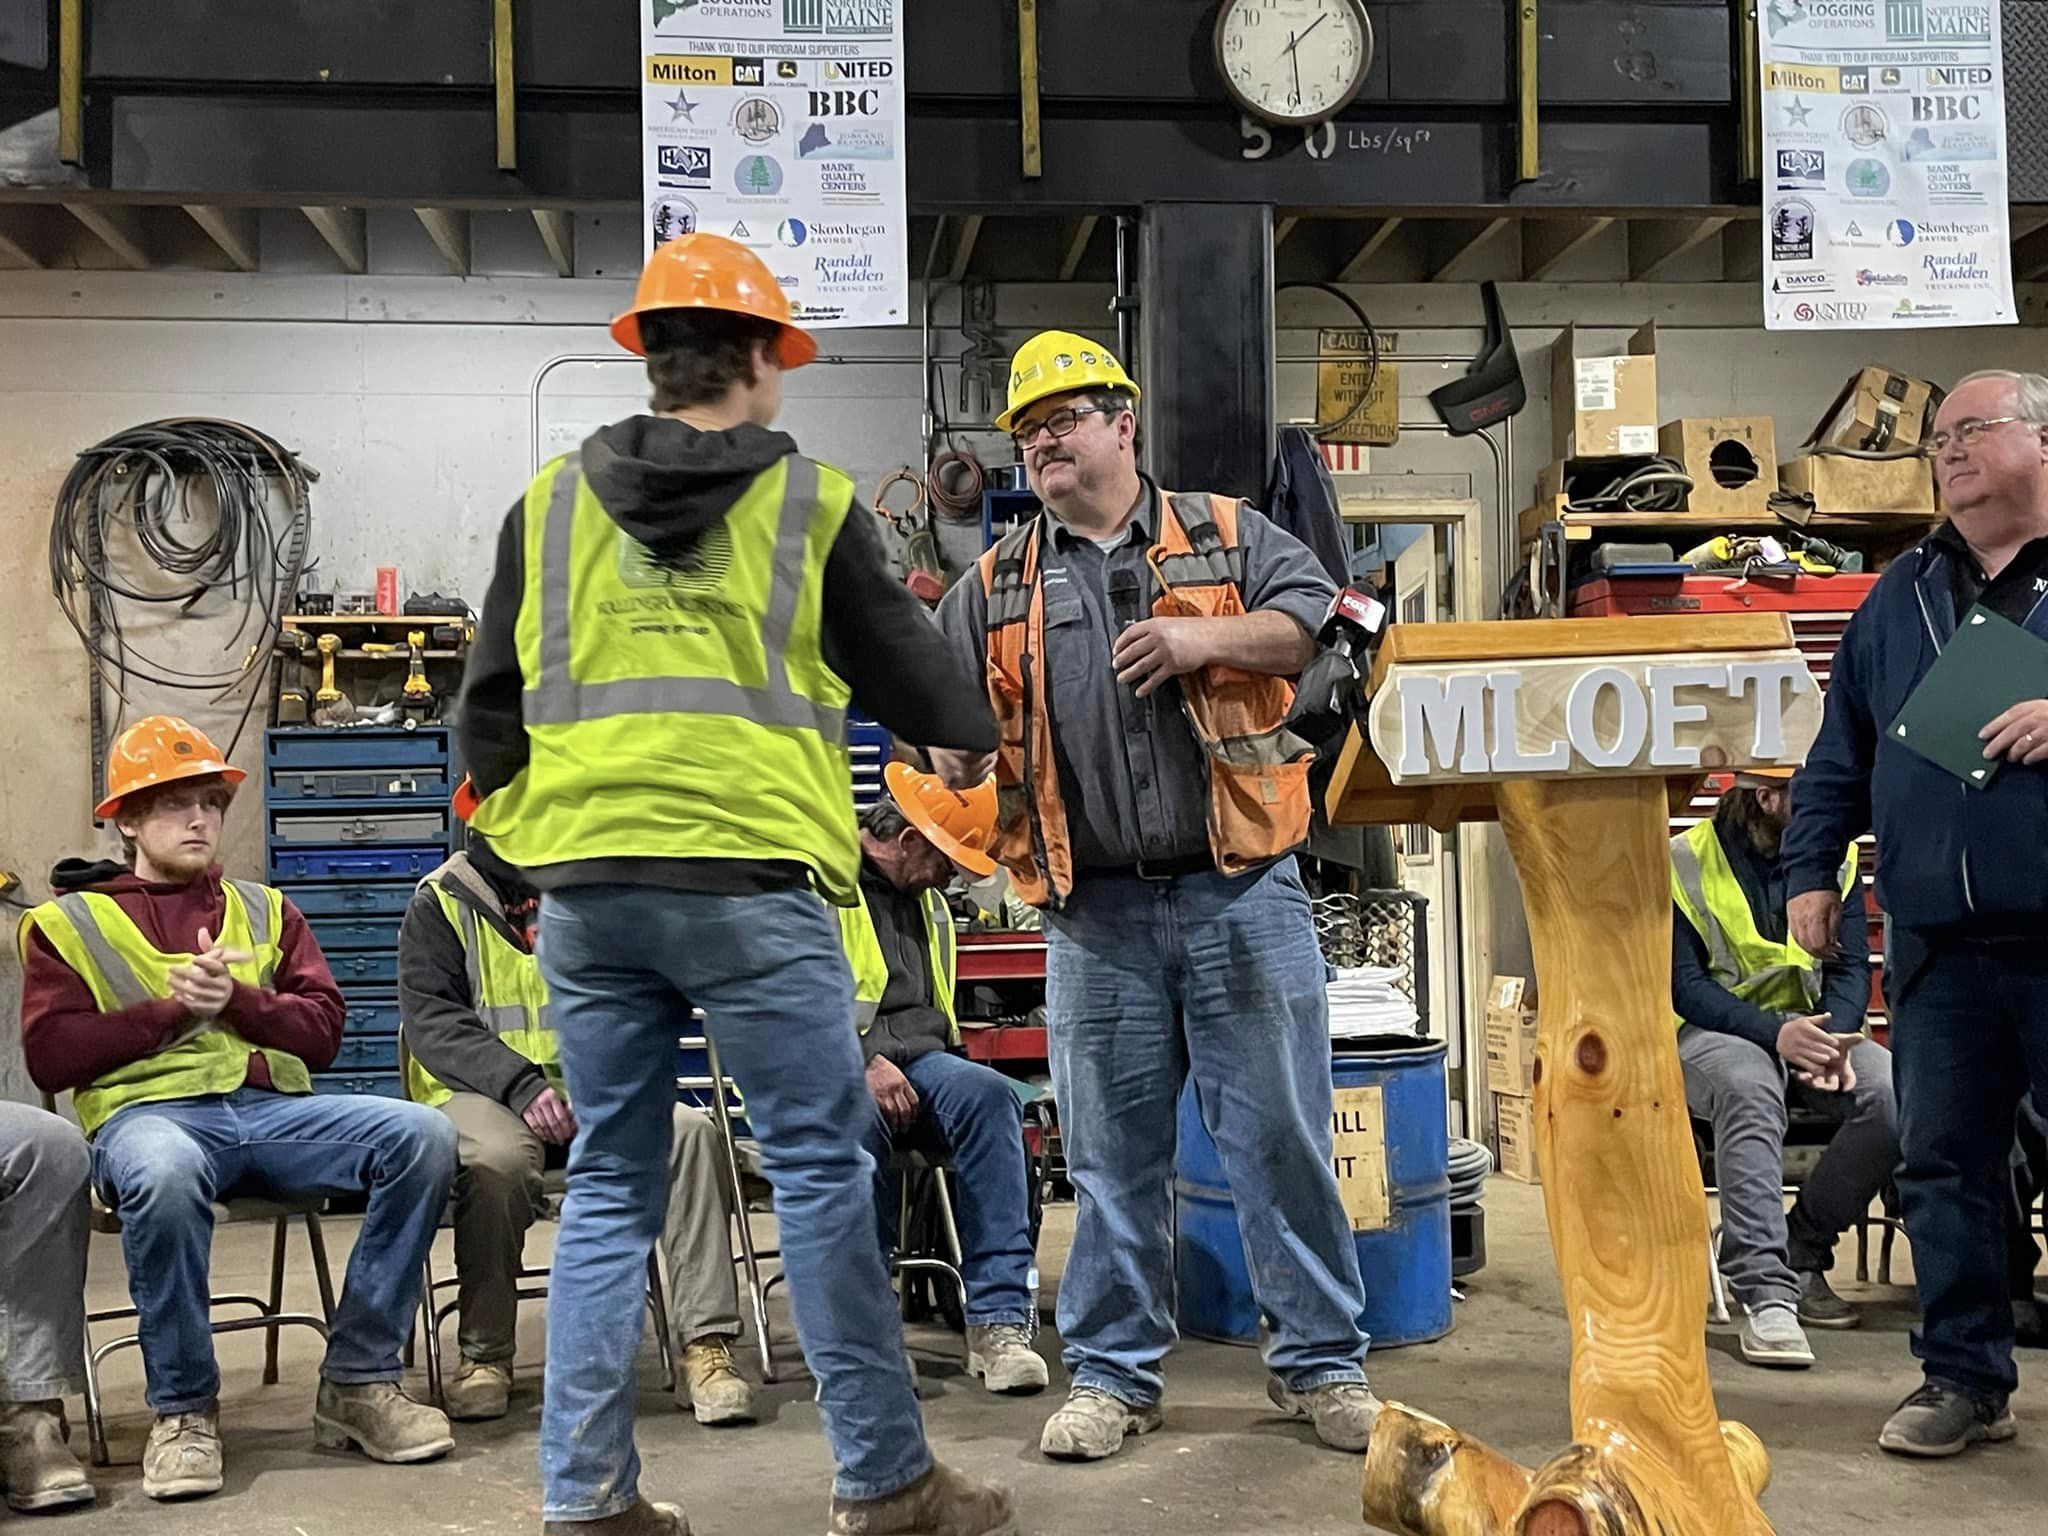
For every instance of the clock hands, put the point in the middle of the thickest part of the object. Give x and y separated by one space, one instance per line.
1293 51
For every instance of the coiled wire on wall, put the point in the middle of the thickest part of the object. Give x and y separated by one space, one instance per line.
198 497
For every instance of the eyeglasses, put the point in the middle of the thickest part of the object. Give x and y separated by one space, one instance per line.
1965 433
1061 423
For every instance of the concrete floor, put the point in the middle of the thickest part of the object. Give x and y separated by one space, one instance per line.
1223 1463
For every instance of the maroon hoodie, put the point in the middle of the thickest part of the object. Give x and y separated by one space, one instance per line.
69 1042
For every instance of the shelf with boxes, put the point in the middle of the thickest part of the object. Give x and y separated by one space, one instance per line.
353 818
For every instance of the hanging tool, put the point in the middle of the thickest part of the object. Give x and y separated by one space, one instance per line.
985 359
922 571
293 704
331 705
418 694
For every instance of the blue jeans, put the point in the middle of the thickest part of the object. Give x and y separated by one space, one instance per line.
161 1167
624 964
1969 1033
1147 984
974 1114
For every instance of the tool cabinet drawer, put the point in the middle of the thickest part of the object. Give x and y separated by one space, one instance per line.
370 965
351 933
321 751
351 900
384 783
355 827
366 1053
370 1016
368 863
382 1084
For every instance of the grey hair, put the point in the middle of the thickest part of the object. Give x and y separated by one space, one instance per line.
2030 389
883 821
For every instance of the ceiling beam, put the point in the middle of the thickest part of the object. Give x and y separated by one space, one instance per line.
1078 236
1742 254
2022 224
931 255
14 251
119 229
2030 257
963 249
235 230
1354 269
1548 243
448 228
347 233
1467 242
1654 244
558 233
1282 228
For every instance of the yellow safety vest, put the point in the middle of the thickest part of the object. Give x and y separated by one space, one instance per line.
506 989
685 710
871 967
92 935
1777 976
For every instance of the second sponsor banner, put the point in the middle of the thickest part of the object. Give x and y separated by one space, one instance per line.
779 124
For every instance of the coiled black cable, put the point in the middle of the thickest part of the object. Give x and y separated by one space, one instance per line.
215 508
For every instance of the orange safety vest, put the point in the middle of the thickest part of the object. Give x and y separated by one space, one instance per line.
1258 771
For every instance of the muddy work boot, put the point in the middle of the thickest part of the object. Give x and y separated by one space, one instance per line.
1091 1424
941 1503
710 1385
643 1519
1002 1356
482 1389
182 1459
1343 1412
36 1465
381 1422
1938 1421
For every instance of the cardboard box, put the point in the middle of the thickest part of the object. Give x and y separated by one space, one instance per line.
1878 410
1603 406
1733 461
1853 487
1514 1125
1510 1038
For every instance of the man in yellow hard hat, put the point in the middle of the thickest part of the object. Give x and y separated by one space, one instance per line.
899 941
655 716
1137 645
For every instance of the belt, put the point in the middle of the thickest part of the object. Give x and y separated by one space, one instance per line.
1156 869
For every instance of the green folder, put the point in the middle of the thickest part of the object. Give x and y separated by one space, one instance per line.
1990 665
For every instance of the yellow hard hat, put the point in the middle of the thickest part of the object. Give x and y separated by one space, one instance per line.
1054 362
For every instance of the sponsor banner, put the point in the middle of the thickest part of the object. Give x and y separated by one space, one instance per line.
1884 200
780 124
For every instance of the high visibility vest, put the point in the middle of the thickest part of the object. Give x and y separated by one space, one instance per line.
871 967
506 989
92 935
1258 770
1776 975
681 710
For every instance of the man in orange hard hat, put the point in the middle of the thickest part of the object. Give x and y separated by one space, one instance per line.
183 1011
900 943
655 715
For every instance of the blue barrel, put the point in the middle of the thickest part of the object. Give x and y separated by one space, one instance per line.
1390 1109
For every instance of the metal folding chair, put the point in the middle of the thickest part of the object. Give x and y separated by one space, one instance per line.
920 1171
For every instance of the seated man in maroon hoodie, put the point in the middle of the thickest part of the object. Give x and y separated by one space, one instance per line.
182 1011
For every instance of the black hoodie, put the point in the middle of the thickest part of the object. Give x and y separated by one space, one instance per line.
664 483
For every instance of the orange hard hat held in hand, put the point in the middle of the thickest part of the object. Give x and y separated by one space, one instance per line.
961 823
160 749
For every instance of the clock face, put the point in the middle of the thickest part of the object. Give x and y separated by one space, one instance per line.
1293 61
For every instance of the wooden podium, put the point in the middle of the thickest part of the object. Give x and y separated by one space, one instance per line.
1580 736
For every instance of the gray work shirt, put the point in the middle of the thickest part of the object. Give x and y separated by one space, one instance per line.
1131 772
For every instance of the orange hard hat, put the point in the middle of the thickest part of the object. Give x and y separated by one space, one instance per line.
466 799
699 271
961 823
160 750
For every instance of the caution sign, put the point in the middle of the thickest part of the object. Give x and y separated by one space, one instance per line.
1358 1156
1341 374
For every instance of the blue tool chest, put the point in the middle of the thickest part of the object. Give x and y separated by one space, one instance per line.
352 819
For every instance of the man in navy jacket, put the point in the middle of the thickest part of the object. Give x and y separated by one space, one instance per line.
1963 873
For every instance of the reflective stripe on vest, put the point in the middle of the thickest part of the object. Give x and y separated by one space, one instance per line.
863 946
102 944
506 991
1778 977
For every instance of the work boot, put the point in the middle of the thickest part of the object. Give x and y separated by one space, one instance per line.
1002 1356
1771 1337
1820 1307
711 1386
941 1503
381 1422
643 1519
1939 1421
35 1464
482 1389
1343 1412
182 1459
1091 1424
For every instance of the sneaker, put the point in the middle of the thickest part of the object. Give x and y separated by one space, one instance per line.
941 1503
1091 1424
182 1459
1343 1412
711 1385
36 1465
1939 1421
482 1389
1820 1307
643 1519
1772 1337
1002 1356
381 1422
